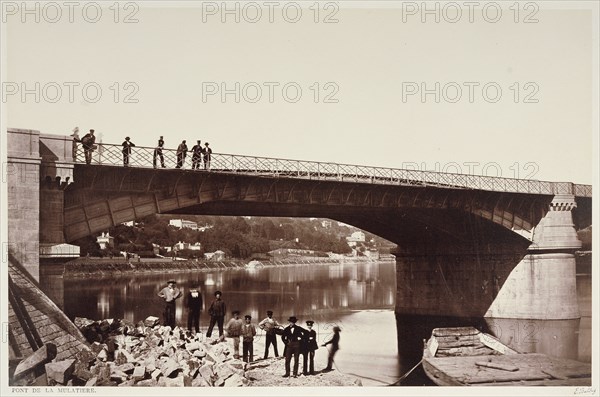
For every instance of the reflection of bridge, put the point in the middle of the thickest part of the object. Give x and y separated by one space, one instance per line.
465 225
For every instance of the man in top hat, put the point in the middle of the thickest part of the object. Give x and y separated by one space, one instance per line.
88 142
206 152
193 302
335 346
217 312
308 348
269 325
234 331
292 337
127 145
158 153
248 333
170 293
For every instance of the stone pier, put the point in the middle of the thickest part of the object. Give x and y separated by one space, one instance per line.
543 285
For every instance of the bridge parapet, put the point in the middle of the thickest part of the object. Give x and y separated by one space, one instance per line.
143 157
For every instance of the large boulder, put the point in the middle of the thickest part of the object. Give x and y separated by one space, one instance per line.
206 371
60 371
151 321
40 357
139 373
234 381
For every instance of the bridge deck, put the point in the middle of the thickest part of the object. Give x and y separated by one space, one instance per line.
144 157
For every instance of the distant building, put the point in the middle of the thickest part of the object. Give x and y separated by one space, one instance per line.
356 237
187 246
105 241
326 224
218 255
182 223
58 251
285 252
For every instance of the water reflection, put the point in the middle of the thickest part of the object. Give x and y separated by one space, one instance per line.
292 290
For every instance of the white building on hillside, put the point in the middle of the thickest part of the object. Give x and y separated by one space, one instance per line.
356 237
105 241
182 223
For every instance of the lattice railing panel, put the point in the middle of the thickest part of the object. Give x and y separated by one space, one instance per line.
144 157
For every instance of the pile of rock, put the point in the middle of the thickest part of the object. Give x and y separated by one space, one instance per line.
146 354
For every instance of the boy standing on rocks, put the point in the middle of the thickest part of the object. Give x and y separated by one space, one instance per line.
234 331
248 333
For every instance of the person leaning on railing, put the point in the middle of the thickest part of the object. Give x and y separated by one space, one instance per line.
88 143
127 145
182 150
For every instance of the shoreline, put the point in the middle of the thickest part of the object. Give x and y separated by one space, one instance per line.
100 267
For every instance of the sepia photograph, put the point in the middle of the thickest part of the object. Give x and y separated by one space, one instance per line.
310 197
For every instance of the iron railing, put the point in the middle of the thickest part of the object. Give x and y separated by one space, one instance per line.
143 157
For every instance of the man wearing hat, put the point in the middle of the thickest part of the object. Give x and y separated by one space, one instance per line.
197 155
182 150
88 142
269 325
207 152
217 312
170 293
127 145
234 331
309 346
248 333
193 302
292 337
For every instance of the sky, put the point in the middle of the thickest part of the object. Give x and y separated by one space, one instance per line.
361 77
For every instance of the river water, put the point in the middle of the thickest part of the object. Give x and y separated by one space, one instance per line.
357 296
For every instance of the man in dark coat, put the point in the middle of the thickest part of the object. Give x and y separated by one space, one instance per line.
127 145
196 156
207 154
193 302
88 142
309 346
158 153
182 150
217 312
335 346
292 337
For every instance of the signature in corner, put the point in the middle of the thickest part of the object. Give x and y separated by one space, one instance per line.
585 390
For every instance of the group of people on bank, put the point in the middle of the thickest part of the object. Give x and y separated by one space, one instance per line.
201 156
296 339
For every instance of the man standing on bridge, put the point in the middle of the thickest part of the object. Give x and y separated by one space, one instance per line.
207 152
88 143
158 152
196 155
181 153
127 145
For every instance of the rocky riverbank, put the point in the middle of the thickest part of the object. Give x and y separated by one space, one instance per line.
149 354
